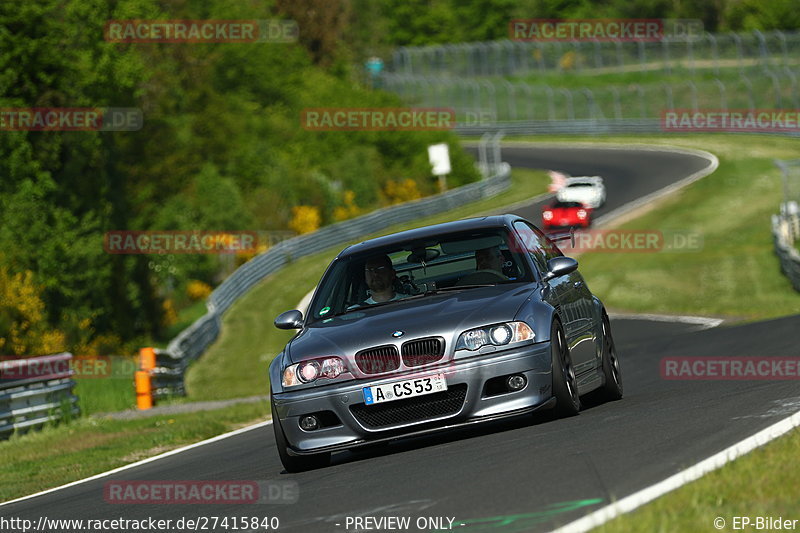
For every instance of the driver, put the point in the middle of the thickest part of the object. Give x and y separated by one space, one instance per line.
490 260
380 277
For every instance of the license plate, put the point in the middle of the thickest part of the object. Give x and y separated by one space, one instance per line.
400 390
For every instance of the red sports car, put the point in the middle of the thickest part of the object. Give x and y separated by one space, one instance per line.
566 215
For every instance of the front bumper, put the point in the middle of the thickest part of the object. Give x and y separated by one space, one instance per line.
465 378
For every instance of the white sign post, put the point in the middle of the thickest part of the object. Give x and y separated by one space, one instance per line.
439 157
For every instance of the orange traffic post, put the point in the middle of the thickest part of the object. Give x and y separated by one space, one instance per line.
147 359
144 392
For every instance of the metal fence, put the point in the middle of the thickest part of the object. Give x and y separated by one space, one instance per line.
36 391
705 51
193 341
786 224
480 103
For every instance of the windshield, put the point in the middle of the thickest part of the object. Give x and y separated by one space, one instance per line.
417 269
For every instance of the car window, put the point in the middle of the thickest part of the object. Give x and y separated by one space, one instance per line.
539 247
418 269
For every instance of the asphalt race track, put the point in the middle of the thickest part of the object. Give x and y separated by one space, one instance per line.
627 174
529 474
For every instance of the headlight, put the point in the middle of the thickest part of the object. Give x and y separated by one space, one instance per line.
311 370
500 335
496 335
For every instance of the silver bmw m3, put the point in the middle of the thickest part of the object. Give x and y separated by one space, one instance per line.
435 328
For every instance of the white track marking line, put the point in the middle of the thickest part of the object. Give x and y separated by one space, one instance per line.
704 321
646 495
144 461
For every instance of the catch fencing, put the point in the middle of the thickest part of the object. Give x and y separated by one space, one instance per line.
530 87
482 103
35 392
703 51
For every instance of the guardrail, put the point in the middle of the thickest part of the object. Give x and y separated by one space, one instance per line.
167 375
785 232
786 224
36 391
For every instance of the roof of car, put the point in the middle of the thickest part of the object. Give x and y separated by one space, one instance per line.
559 204
584 179
424 232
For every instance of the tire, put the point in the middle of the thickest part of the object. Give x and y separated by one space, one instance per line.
565 385
612 388
295 463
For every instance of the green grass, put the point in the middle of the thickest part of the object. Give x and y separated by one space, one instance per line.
186 316
105 395
43 459
735 273
116 393
763 483
236 364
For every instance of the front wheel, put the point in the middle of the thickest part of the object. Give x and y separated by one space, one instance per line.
565 385
295 463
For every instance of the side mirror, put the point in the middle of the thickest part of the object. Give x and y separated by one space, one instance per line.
560 266
289 320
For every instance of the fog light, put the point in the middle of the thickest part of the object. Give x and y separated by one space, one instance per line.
309 423
516 382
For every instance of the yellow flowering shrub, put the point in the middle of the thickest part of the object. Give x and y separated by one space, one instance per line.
349 209
401 191
198 290
305 219
23 328
170 314
568 61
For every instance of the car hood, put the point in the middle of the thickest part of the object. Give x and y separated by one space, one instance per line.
446 314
